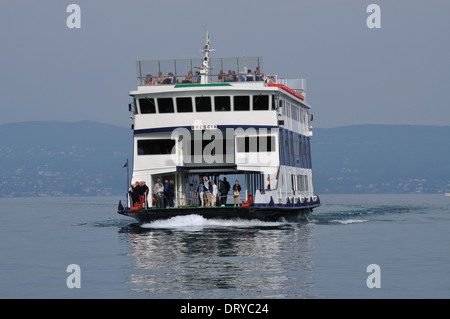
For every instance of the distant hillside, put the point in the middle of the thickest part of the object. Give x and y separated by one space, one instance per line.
381 159
87 158
60 159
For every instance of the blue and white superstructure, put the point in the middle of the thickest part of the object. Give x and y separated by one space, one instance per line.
221 117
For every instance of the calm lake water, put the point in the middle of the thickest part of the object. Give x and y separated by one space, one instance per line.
407 236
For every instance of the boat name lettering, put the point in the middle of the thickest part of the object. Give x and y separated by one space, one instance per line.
204 127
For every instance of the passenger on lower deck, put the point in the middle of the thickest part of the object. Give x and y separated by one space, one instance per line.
208 189
144 189
214 193
222 193
201 192
159 194
132 194
237 193
170 193
227 189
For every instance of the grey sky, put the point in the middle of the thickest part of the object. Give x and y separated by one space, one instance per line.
399 74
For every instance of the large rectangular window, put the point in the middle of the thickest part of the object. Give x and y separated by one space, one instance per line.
246 144
222 103
155 146
147 105
165 105
260 102
242 103
184 104
203 104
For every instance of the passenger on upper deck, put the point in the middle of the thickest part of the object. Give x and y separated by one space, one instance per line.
148 79
221 77
170 79
233 76
229 76
160 78
188 78
258 76
249 76
196 78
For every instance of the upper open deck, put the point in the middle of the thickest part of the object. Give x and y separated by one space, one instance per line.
157 74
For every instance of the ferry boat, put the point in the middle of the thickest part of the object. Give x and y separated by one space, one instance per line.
196 121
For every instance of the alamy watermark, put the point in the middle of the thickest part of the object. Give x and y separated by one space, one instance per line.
73 21
74 279
374 279
208 144
374 19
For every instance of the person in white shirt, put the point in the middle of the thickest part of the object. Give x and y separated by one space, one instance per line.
214 193
207 184
159 194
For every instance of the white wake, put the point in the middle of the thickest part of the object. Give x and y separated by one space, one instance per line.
197 221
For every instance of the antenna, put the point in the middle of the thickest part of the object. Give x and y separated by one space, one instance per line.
204 70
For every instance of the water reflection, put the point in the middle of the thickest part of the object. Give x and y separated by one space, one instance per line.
221 259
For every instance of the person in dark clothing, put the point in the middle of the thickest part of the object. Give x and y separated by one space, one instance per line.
144 191
222 193
136 193
166 197
227 189
170 193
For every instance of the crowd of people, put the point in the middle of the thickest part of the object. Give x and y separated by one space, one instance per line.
164 193
138 192
208 193
231 76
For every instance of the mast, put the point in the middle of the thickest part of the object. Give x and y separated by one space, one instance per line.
204 70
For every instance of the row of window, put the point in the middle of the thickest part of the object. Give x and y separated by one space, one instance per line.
294 143
299 182
205 104
290 110
244 145
294 149
155 146
256 144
